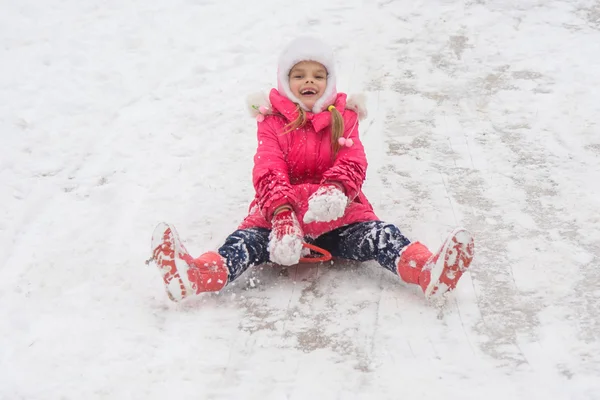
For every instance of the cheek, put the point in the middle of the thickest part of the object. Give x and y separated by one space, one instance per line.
294 86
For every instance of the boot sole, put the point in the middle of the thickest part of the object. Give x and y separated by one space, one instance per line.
451 261
172 267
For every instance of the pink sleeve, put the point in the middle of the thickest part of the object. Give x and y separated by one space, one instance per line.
350 166
270 173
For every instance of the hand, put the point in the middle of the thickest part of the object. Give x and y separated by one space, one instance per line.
285 239
328 203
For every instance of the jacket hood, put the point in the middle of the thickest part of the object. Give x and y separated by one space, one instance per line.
307 49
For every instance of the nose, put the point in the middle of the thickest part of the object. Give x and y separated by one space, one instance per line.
309 80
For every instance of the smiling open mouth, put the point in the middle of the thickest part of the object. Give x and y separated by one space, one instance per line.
308 92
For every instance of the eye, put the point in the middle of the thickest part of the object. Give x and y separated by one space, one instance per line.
297 76
320 77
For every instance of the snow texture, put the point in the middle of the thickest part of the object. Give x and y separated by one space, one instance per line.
328 203
115 115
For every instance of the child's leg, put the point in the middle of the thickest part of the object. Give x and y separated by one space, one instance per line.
244 249
413 262
184 275
365 241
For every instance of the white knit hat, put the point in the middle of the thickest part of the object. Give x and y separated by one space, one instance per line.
307 49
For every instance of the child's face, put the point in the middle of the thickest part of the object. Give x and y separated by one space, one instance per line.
308 80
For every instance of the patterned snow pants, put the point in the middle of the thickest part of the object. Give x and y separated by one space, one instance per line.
362 241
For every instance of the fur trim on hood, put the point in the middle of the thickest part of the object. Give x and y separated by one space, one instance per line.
258 103
358 104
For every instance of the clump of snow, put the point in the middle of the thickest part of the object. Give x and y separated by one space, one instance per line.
287 250
328 203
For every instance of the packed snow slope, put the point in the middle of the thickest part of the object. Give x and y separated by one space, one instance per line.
116 115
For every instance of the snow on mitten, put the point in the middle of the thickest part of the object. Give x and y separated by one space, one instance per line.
328 203
285 239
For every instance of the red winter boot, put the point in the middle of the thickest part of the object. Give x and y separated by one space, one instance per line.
208 273
182 275
411 262
440 272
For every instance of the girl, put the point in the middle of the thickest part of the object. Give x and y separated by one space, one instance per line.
308 172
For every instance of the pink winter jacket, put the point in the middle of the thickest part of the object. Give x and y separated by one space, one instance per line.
288 168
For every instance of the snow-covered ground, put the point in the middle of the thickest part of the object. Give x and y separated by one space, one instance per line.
116 115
